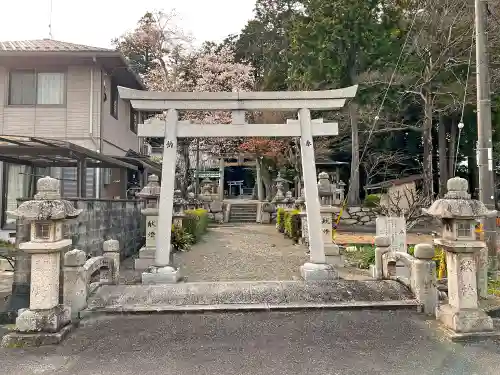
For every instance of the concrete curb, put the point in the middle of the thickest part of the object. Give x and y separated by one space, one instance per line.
379 305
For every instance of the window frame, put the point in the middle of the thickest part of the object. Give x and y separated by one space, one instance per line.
133 125
113 96
36 72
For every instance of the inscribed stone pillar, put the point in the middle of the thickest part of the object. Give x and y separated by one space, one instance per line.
151 194
332 250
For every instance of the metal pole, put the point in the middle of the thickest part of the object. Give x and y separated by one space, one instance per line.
484 134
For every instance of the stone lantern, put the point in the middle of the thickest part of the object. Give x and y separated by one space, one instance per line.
325 189
280 196
179 205
459 215
151 194
46 321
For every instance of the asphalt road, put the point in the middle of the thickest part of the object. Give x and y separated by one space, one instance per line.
312 342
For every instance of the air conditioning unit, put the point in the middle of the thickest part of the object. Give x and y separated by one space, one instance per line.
106 176
146 149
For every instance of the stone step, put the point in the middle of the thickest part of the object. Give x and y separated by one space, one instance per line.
252 295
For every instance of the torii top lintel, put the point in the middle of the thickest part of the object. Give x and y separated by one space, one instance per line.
249 100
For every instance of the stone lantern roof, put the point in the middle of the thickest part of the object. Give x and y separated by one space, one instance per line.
47 204
457 203
152 189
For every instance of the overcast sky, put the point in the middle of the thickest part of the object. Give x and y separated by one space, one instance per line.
96 22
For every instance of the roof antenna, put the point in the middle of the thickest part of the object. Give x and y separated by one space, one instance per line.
50 20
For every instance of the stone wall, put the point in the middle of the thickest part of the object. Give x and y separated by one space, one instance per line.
102 220
356 215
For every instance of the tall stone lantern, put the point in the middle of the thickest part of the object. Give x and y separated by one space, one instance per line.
46 321
459 215
151 195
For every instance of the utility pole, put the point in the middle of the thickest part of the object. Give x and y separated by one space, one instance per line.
484 134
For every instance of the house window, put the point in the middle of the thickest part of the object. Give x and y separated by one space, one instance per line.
29 87
114 99
134 120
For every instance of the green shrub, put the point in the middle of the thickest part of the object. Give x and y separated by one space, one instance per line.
372 200
280 220
292 227
181 240
195 222
362 257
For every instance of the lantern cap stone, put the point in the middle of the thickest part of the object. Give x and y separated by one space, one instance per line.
458 204
279 178
323 175
47 204
152 189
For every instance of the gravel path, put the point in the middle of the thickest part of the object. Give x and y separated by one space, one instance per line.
243 252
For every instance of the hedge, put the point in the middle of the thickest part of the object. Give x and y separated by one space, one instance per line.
194 226
195 222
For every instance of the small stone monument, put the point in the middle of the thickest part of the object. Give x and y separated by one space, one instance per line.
46 321
459 215
289 200
394 228
216 208
151 194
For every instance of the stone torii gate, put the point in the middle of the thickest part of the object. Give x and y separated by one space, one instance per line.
237 102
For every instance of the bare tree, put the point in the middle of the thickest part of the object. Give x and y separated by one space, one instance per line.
383 164
406 202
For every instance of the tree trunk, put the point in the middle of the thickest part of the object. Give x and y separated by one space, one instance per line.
353 196
267 181
443 165
427 142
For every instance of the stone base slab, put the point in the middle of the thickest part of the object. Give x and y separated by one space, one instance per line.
318 272
469 336
161 275
335 260
147 252
264 294
142 264
43 320
21 340
465 321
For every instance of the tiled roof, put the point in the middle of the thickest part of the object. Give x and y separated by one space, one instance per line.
47 45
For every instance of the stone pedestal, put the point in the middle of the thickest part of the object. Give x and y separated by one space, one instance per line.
462 313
